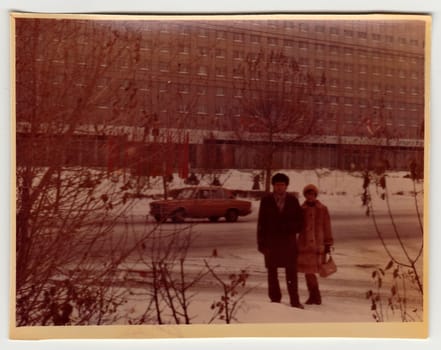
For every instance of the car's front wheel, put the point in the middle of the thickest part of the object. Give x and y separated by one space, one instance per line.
231 215
179 215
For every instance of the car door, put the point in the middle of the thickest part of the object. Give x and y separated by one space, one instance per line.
200 203
219 203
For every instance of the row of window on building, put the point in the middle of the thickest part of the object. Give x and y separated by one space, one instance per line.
259 31
393 68
224 116
302 47
221 102
239 70
338 84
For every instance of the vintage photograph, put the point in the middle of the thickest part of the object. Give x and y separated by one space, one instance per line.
220 170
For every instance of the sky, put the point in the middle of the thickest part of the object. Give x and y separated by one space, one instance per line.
429 6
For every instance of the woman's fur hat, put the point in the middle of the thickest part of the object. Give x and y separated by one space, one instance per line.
310 187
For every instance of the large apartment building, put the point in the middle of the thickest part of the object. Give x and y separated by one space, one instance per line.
150 76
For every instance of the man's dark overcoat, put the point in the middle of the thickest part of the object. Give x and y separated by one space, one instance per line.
276 230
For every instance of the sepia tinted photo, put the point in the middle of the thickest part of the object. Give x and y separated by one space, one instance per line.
239 175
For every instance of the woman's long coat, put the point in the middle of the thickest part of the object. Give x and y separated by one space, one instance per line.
276 230
315 235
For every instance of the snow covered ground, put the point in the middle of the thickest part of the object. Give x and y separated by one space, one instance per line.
357 253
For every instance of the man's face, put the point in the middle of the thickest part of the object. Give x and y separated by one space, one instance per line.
280 187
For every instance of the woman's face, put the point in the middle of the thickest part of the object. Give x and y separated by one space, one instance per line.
310 196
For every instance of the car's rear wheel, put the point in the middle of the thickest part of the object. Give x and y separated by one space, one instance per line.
158 218
213 218
231 215
179 215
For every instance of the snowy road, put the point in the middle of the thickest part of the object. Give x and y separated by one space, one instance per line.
349 227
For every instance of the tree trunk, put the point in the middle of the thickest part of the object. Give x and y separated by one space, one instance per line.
268 171
165 186
269 168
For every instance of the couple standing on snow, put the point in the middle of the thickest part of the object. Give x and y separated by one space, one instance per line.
280 219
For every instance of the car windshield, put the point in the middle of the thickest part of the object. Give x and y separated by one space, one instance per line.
185 194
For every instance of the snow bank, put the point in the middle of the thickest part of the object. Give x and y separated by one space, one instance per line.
341 189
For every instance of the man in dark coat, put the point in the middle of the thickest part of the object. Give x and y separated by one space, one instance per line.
280 219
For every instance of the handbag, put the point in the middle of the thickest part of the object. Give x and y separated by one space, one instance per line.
328 267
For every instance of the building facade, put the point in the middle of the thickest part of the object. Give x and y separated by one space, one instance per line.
159 81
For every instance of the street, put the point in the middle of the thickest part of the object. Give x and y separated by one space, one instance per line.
351 228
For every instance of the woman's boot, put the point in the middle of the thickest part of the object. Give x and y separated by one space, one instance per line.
313 289
318 297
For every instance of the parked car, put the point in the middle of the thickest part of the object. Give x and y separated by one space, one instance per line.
210 202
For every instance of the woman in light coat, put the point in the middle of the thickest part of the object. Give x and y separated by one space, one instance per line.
314 242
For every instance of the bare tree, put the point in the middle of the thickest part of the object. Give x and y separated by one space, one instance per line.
232 297
405 263
277 103
67 251
401 274
168 288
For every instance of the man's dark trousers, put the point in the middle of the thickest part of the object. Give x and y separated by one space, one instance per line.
274 292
